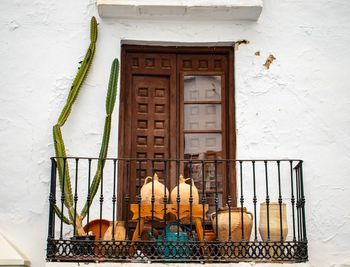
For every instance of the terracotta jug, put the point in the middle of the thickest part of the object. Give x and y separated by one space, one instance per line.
158 190
119 231
274 221
185 192
236 224
94 227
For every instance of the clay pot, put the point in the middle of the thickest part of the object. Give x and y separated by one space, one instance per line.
209 235
119 231
146 191
94 227
236 224
274 221
185 192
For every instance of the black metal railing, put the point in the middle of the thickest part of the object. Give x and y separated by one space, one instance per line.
229 211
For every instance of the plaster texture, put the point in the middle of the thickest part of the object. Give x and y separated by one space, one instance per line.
298 108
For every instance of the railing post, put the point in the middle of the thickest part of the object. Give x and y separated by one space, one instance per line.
302 201
52 200
114 198
75 195
292 197
101 199
255 200
127 199
62 195
241 198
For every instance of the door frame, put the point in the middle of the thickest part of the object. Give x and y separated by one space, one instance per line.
230 141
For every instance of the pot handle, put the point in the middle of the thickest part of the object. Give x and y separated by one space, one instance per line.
251 214
146 179
211 215
191 180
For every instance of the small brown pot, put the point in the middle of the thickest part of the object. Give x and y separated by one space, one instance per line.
94 227
236 224
119 231
224 229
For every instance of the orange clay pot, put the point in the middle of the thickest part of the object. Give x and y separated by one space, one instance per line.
158 191
185 192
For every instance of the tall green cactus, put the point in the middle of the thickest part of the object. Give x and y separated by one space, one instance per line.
110 102
62 165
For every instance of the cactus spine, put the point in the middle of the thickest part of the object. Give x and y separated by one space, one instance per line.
62 165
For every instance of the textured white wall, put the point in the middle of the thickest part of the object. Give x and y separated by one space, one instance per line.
298 108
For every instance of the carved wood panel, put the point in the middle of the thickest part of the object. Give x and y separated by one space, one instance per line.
150 123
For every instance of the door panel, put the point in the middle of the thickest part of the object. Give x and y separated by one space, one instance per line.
150 124
146 118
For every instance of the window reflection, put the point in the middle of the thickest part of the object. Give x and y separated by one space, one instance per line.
202 88
203 136
203 117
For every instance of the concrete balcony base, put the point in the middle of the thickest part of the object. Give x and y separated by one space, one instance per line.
240 264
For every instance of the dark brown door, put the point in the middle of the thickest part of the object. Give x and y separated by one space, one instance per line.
147 117
176 103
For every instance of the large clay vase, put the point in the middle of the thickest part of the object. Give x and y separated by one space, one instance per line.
185 192
158 190
119 231
236 224
274 221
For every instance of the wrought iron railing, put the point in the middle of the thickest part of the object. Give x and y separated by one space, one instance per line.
235 210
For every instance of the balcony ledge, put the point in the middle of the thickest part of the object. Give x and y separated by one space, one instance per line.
181 9
10 256
240 264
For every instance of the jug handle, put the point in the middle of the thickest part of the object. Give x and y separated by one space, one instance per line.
211 215
190 179
146 180
251 214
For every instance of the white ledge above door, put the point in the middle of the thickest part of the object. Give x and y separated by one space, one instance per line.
181 9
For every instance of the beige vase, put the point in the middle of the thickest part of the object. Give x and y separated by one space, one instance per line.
185 192
158 190
236 224
274 221
119 231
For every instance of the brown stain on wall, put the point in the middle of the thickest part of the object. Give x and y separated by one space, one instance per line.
269 61
240 42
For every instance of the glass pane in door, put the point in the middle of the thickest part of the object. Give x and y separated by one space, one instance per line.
202 88
202 117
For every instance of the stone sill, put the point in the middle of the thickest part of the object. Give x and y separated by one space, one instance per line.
181 9
10 255
240 264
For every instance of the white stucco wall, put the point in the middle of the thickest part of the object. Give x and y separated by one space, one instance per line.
299 108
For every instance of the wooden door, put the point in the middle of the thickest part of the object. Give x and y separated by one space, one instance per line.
177 103
147 119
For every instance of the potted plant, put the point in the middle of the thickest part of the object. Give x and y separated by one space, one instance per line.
74 218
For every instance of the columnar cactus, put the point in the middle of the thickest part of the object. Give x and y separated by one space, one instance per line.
62 165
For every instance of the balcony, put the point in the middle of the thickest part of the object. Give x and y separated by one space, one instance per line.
118 210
